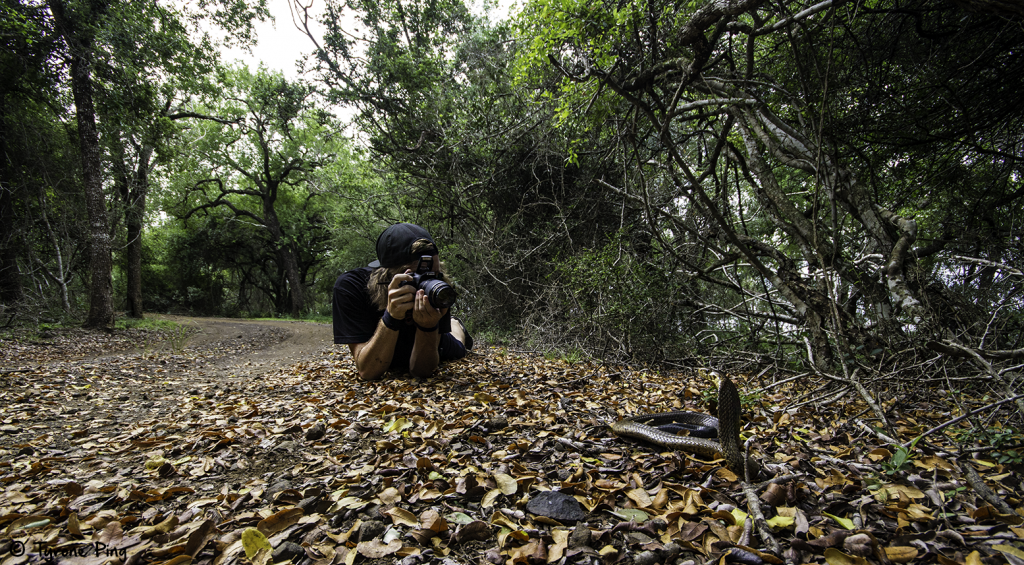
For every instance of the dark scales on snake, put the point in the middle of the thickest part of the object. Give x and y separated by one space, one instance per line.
645 427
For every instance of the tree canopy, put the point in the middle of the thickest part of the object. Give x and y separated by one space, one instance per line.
821 184
795 158
254 162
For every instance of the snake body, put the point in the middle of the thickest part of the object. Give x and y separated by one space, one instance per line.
644 428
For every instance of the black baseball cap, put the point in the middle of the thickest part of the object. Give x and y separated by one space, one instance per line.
394 245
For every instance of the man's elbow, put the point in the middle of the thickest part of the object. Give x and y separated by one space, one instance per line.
369 374
422 372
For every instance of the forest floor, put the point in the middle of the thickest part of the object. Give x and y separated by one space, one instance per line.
251 441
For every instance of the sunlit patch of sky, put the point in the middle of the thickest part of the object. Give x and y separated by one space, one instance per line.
282 43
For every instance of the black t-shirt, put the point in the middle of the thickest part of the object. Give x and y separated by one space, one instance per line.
355 317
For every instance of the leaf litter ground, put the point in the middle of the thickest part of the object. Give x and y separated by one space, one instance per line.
254 443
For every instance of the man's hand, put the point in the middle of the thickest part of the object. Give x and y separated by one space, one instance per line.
424 314
401 299
425 357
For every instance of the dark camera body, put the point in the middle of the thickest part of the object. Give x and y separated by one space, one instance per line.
439 293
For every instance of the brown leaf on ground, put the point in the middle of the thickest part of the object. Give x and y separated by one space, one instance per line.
172 451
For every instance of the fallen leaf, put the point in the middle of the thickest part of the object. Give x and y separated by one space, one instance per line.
506 484
403 517
376 549
279 521
253 541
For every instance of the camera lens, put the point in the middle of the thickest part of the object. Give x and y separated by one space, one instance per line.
440 294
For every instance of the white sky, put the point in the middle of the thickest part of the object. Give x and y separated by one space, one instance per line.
281 43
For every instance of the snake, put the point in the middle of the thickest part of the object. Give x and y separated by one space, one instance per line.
651 428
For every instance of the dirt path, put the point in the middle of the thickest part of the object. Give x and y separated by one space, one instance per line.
296 341
115 381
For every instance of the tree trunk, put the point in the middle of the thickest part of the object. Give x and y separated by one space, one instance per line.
286 257
290 266
10 277
61 278
135 210
101 284
295 290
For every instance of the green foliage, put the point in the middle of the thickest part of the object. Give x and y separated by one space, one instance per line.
614 300
604 179
183 270
462 151
259 177
900 461
1009 456
147 324
1007 443
901 458
778 231
141 58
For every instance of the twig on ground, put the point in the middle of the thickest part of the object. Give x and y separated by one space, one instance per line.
979 486
572 444
866 395
778 383
987 367
778 480
763 529
948 423
989 448
850 464
863 425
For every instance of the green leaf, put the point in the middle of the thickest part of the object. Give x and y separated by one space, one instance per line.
398 425
458 518
844 522
253 541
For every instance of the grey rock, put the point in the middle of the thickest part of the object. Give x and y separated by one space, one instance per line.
316 432
581 536
496 424
276 488
557 506
310 504
638 538
370 530
287 551
646 558
671 550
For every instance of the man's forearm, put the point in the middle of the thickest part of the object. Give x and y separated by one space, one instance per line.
374 358
425 358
